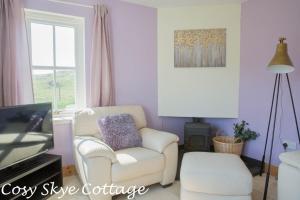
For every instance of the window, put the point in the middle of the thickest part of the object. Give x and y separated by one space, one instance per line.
57 58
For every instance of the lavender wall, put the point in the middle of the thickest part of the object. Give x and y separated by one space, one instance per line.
263 21
135 62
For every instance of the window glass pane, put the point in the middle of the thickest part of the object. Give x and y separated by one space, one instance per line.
65 88
43 85
65 46
42 44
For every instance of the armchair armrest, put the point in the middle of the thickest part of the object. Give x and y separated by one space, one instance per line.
90 147
157 140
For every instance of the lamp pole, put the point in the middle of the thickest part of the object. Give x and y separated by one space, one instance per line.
262 166
272 140
293 105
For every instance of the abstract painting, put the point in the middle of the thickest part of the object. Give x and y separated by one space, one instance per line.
200 48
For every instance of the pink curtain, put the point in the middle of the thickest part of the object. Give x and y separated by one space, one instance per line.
15 70
102 90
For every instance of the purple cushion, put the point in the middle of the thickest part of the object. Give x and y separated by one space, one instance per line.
119 132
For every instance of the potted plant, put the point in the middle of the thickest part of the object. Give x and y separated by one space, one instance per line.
234 144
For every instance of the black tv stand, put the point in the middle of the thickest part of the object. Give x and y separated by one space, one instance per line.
35 172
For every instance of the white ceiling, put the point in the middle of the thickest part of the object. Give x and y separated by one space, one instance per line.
175 3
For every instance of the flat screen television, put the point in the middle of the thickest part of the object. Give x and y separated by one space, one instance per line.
25 131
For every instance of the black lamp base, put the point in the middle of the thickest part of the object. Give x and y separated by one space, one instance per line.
275 98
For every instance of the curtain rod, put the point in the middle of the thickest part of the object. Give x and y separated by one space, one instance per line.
71 3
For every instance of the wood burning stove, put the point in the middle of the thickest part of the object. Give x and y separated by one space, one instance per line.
197 136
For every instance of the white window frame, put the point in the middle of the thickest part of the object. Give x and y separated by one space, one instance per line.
47 18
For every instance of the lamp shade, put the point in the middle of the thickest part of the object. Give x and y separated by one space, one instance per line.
281 62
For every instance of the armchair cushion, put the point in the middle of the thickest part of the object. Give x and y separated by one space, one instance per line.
91 147
157 140
136 162
85 121
119 131
291 158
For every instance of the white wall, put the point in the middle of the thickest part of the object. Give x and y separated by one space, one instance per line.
198 92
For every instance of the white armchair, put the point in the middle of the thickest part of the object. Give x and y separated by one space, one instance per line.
97 164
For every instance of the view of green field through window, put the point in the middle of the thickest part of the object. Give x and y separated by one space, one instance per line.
53 64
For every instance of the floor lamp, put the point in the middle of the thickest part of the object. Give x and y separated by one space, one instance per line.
281 65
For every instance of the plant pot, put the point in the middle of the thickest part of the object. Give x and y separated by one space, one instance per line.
225 144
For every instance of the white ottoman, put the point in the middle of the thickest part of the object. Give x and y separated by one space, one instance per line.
289 176
214 176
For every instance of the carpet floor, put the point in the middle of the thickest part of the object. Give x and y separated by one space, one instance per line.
170 193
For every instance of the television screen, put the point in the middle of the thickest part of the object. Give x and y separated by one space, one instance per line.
25 131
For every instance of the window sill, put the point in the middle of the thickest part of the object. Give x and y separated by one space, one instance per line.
61 120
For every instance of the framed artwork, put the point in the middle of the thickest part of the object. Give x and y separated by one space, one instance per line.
200 48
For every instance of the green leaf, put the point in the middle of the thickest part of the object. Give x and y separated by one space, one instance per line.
243 133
